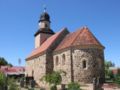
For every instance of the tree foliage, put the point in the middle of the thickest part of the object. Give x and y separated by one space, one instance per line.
2 79
12 84
117 79
108 64
4 62
53 78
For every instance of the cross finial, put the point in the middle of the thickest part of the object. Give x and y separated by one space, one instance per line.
85 27
44 8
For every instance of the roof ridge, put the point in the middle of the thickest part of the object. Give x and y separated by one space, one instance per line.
59 34
46 45
82 36
77 35
93 36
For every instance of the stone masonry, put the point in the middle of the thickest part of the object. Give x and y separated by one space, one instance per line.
73 64
39 66
79 55
94 64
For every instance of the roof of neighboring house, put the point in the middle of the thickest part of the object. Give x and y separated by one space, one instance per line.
81 37
114 68
12 70
36 52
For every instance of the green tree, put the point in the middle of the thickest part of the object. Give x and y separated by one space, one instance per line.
53 79
2 80
3 61
12 84
108 64
117 79
9 64
73 86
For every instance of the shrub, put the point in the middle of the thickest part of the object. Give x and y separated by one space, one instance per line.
53 78
117 79
12 84
73 86
13 87
53 88
2 79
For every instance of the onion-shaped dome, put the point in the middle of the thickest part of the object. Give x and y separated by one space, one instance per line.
44 17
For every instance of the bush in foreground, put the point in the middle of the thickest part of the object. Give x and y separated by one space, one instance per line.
53 79
73 86
12 84
2 80
117 79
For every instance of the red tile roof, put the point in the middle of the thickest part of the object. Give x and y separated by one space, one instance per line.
80 37
12 70
45 45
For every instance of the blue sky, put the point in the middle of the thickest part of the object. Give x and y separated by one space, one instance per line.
19 22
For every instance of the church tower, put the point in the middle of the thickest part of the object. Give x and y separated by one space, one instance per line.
44 31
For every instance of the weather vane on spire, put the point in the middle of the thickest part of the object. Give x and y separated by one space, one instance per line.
44 8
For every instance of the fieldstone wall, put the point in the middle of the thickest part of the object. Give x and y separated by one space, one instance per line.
73 66
63 65
94 59
79 64
40 66
37 68
29 67
49 52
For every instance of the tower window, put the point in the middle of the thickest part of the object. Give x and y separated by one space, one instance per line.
84 64
46 25
63 59
57 60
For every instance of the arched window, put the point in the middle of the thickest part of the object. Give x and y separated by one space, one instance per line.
84 64
56 60
63 59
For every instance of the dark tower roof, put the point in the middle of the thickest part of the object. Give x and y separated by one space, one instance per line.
44 30
44 17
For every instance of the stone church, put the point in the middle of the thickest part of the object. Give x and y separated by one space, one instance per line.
79 54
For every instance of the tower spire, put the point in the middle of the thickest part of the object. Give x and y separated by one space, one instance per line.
45 8
44 30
